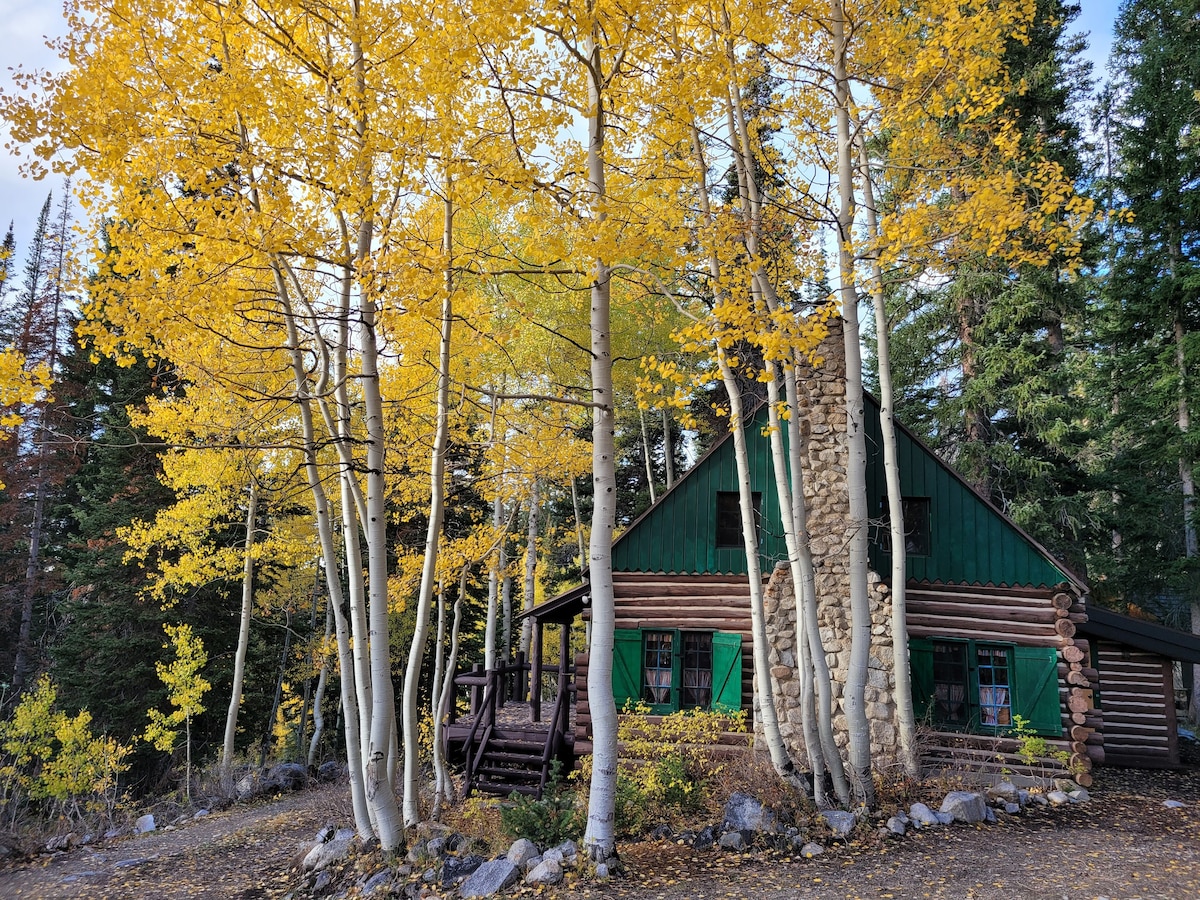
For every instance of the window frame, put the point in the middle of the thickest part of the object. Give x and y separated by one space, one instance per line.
1034 684
723 537
918 529
726 664
973 699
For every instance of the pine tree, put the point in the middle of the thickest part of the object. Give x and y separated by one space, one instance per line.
1152 308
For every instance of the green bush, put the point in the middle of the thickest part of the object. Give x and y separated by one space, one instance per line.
549 821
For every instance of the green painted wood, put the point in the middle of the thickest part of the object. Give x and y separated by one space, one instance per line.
970 542
1035 689
627 665
678 534
727 672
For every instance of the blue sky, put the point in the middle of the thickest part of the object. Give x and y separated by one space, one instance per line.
22 42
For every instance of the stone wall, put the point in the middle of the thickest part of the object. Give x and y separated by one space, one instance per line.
823 428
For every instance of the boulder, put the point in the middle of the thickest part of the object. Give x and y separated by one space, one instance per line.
62 843
1173 804
330 771
964 806
287 776
144 825
456 868
811 849
328 853
744 813
548 871
732 840
705 839
1006 791
895 826
521 851
922 815
245 786
1058 798
569 851
840 822
1012 808
1080 796
377 882
490 878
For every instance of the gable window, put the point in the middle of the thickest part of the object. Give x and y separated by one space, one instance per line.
671 670
917 536
729 518
965 685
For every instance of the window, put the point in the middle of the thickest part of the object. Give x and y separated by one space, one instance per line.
670 669
965 685
729 518
917 540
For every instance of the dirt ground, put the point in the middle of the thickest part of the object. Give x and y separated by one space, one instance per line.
1123 845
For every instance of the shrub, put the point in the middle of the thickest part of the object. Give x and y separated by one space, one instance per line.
667 768
549 821
54 763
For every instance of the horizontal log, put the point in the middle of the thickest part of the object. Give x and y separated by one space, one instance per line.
1080 732
1078 718
1084 779
1095 739
1062 613
1065 628
1081 761
1000 613
1072 654
1078 703
1062 600
1079 747
979 629
1078 679
1040 594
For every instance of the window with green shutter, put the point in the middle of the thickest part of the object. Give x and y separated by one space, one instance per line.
669 669
965 685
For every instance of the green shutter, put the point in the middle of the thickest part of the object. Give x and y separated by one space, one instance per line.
920 665
1035 685
627 665
727 672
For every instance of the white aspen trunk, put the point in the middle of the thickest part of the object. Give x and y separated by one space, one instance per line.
853 697
318 711
531 538
816 689
668 449
506 606
354 760
906 725
767 716
493 602
791 537
435 702
356 591
806 602
444 697
578 523
437 478
239 657
599 838
646 456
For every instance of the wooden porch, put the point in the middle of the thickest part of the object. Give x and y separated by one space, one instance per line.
520 719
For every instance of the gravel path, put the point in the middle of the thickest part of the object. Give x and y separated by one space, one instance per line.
1123 845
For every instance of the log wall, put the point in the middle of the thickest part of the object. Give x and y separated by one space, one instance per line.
1137 697
686 602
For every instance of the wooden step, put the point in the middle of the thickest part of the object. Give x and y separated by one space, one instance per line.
519 759
514 775
491 787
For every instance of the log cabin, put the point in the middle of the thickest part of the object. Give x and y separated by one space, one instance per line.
994 620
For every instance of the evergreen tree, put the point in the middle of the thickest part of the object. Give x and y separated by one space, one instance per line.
1151 314
985 364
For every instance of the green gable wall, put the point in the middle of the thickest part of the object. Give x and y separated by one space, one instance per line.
971 543
678 535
